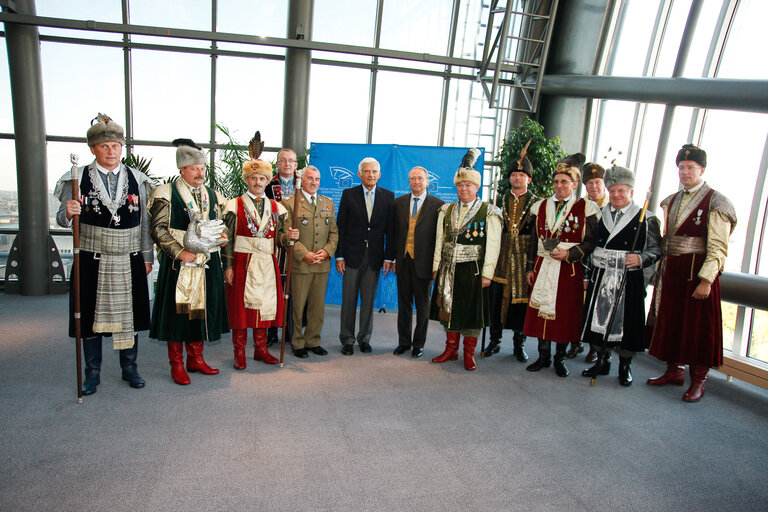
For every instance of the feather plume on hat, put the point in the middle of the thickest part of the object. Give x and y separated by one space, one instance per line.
255 146
523 164
255 165
467 171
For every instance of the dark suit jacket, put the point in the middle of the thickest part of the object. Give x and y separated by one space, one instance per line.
355 229
426 227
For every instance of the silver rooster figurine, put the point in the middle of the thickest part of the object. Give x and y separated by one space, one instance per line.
203 235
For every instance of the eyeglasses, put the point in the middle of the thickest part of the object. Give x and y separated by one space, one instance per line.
689 167
287 161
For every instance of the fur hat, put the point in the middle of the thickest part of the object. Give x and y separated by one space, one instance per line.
257 167
104 129
617 175
692 153
570 166
188 153
467 171
592 170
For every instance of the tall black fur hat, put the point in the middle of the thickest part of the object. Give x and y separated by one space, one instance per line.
692 153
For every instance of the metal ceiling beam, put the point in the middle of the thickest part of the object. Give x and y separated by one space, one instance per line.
225 37
716 93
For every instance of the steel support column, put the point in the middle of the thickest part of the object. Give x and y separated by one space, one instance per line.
669 112
31 166
297 67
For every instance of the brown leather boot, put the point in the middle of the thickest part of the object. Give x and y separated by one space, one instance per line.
239 341
698 381
469 353
451 352
195 361
176 359
260 350
674 375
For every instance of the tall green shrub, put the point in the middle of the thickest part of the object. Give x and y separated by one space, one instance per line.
542 152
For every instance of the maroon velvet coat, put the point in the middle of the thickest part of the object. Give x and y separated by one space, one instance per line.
685 330
566 326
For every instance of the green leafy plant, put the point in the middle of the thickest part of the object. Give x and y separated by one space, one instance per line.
542 152
227 174
141 164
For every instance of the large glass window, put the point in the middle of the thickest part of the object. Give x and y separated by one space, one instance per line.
338 104
73 95
171 95
266 18
416 26
407 109
356 27
6 108
249 97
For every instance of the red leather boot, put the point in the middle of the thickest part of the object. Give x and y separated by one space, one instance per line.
195 361
239 340
469 353
260 350
674 375
176 358
451 352
698 381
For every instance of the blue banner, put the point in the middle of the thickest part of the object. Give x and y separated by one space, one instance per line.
338 171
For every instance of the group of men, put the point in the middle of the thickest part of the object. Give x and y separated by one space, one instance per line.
561 269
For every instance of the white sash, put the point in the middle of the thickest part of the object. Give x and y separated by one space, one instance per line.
544 294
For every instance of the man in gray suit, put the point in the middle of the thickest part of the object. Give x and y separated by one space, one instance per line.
415 227
366 232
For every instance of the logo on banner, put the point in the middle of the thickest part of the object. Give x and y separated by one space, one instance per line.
343 177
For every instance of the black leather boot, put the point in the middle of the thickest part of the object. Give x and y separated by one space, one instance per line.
560 354
577 348
625 371
92 356
128 364
601 367
545 357
492 348
272 336
518 349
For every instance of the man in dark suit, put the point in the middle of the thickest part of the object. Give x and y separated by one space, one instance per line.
366 233
415 227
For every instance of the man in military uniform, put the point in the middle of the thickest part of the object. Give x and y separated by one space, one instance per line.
280 187
254 289
594 181
685 325
509 289
317 238
415 227
466 252
189 302
614 237
565 230
115 252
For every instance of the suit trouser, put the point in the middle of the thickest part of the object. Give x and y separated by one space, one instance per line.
411 291
360 281
308 289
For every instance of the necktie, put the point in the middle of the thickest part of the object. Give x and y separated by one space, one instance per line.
260 207
312 203
463 213
369 202
415 207
112 184
617 215
560 205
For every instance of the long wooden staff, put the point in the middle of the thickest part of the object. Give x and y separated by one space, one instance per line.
624 274
289 266
75 280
